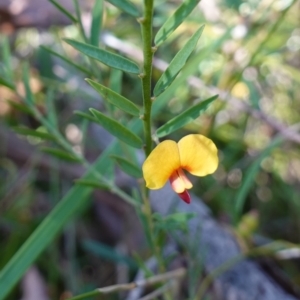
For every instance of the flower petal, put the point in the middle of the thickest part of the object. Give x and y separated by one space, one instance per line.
160 164
198 154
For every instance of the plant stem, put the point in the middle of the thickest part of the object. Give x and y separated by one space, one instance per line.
148 50
146 26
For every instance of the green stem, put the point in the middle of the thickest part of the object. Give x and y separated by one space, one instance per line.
148 50
146 26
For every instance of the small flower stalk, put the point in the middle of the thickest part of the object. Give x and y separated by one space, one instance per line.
194 153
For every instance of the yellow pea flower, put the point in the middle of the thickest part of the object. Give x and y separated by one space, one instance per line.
194 153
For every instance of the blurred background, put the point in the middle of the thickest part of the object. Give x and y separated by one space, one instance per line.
248 54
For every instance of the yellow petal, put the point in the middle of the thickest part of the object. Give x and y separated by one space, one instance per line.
198 154
160 164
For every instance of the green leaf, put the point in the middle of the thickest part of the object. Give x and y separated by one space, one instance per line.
175 20
177 63
250 176
115 98
126 6
108 58
20 106
64 11
85 116
115 80
97 12
78 67
92 183
6 83
35 133
184 118
9 73
117 129
127 166
29 99
61 154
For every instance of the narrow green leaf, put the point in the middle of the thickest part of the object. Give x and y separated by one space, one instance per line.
127 166
70 62
250 176
64 11
35 133
6 83
115 98
20 106
61 154
177 63
7 60
29 99
85 116
175 20
108 58
92 183
184 118
115 80
126 6
97 12
117 129
50 107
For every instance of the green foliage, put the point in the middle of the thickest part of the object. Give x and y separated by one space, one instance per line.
175 20
78 67
184 118
115 98
177 63
250 65
126 6
108 58
61 154
97 13
35 133
117 129
127 166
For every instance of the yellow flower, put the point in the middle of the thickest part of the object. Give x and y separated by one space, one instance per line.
194 153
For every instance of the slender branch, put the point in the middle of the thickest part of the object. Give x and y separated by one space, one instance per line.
176 274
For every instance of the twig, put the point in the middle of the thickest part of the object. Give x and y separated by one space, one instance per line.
159 291
132 285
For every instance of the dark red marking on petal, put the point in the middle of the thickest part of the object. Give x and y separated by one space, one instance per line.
185 196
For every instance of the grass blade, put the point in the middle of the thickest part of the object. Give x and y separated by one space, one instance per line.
175 20
116 129
69 206
184 118
108 58
115 98
177 63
